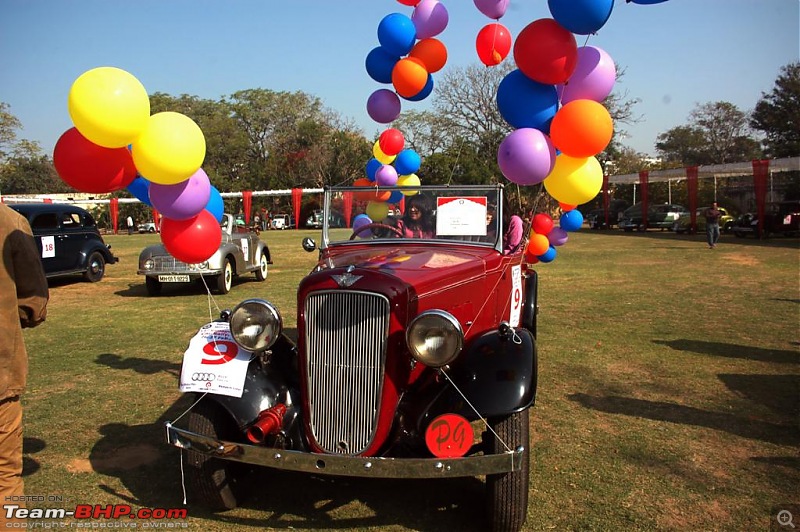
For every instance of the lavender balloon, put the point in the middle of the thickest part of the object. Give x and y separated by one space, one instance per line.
383 106
526 156
386 176
182 200
492 8
593 78
557 236
430 18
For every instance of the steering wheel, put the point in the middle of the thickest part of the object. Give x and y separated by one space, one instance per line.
374 225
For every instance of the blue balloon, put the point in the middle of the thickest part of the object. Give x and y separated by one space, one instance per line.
380 63
140 188
549 255
397 34
215 204
407 162
581 16
571 220
424 93
395 198
372 167
523 102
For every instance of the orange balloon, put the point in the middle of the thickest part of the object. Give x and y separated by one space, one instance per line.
432 53
538 244
409 76
581 128
370 192
493 44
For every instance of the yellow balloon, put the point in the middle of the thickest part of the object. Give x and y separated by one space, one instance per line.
410 180
574 180
377 210
170 149
108 106
377 152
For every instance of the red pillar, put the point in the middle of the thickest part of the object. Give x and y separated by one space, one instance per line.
347 207
643 176
113 206
247 200
297 197
691 183
760 174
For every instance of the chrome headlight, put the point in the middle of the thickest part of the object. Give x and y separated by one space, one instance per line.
255 324
435 338
149 264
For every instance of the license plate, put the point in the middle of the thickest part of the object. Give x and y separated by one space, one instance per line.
173 278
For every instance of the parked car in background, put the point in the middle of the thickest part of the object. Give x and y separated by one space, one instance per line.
597 218
780 218
415 358
147 227
684 223
241 251
282 221
68 238
659 216
314 221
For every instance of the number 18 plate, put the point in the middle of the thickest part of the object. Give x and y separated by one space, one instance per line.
173 278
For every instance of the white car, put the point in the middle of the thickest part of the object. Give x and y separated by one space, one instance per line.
241 251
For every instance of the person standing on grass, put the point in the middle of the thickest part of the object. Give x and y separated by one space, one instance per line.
23 303
713 215
129 221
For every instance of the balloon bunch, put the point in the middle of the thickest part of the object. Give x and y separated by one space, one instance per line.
407 57
115 138
545 237
493 42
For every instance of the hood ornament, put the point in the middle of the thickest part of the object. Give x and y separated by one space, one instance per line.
347 279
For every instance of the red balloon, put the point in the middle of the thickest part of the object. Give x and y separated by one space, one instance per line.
87 167
391 141
493 44
432 52
411 3
192 240
542 224
546 52
567 206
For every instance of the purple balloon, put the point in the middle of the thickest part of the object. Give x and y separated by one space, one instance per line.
360 221
492 8
386 176
526 156
557 236
182 200
593 78
383 106
430 18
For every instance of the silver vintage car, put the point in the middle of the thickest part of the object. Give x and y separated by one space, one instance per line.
240 251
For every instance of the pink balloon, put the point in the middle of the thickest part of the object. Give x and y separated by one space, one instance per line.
183 200
526 156
430 18
386 175
593 78
383 106
492 8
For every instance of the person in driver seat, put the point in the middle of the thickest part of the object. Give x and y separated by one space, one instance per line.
418 220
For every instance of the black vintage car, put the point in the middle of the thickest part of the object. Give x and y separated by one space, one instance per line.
68 238
414 358
780 218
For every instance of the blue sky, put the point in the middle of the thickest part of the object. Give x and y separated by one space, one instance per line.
676 54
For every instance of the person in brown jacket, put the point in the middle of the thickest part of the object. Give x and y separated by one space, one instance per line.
23 303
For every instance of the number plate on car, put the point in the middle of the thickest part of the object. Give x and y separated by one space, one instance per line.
173 278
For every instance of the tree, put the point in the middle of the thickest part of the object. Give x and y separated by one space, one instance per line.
8 131
718 133
777 114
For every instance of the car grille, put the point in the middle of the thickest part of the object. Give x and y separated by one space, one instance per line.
169 264
345 342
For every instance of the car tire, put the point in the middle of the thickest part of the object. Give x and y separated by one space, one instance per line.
95 267
216 483
507 493
225 279
153 286
263 266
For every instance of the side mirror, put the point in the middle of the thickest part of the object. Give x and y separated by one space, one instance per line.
309 244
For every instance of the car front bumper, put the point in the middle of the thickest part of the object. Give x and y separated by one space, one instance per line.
343 465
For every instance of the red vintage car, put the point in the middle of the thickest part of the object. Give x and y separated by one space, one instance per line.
414 358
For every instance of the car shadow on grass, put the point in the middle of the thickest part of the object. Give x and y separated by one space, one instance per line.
144 366
779 356
753 429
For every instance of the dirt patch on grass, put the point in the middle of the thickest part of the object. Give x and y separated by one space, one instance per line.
744 260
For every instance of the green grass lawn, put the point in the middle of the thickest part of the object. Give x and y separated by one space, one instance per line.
668 394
